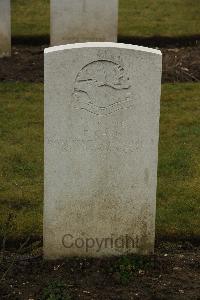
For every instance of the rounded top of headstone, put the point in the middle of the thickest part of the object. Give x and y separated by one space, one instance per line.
101 45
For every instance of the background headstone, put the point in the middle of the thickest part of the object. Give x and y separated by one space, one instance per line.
102 104
74 21
5 28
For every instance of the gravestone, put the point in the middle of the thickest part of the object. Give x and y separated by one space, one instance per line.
102 104
5 28
74 21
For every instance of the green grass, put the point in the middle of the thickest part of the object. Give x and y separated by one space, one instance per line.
21 170
30 18
178 208
136 17
159 17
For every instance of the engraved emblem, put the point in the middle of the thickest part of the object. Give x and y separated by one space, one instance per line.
102 87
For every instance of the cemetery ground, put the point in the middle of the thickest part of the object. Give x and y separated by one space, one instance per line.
137 18
174 271
181 63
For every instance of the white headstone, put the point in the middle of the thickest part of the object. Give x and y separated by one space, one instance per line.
74 21
5 28
102 104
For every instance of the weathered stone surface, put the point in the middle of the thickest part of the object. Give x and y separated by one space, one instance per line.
83 21
102 103
5 28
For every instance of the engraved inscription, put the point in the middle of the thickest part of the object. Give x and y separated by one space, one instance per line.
102 87
93 144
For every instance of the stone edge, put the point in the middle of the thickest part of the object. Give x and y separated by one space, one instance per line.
101 45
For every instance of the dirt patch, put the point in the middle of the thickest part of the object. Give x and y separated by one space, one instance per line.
153 41
172 273
26 64
181 64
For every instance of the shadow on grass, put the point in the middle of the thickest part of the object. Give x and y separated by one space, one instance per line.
31 40
152 41
161 41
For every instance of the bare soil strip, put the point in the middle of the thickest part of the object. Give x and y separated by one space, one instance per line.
26 64
172 273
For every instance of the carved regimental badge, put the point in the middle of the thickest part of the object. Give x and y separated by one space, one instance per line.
102 87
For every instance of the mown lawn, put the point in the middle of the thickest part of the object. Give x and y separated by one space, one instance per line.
159 18
178 197
21 169
21 156
136 17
